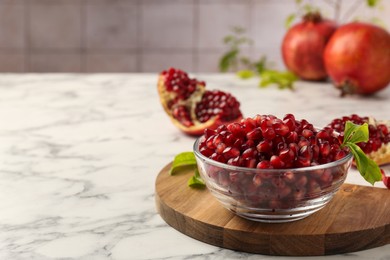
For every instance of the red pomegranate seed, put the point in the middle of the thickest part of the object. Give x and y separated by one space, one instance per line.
289 177
302 162
323 135
255 134
292 137
264 146
231 152
301 182
290 123
324 149
263 165
306 151
276 162
339 155
307 133
220 148
269 133
287 155
249 153
281 128
257 180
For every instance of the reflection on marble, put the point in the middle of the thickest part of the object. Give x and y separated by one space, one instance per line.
79 155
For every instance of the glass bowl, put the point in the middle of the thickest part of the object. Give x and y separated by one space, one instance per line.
272 195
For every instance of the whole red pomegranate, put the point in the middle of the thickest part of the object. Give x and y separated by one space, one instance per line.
303 46
191 107
357 58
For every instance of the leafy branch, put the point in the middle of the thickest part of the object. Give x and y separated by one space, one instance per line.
245 68
305 7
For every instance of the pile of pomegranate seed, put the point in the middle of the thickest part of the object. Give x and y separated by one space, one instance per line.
177 81
267 142
217 103
379 134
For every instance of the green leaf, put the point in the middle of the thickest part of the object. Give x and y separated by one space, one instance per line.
227 60
367 167
228 39
372 3
196 181
283 79
245 74
289 20
355 133
261 65
182 160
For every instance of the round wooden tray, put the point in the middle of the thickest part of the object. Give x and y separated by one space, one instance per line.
357 218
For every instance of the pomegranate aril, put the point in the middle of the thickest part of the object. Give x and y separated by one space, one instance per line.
281 129
250 163
292 137
289 177
276 162
182 115
326 178
255 134
303 142
249 153
217 157
324 149
302 162
236 130
306 152
284 192
290 123
208 132
264 146
293 147
237 161
289 116
277 182
263 165
231 152
269 133
287 155
323 135
220 148
206 151
316 151
383 129
339 155
257 180
307 133
301 182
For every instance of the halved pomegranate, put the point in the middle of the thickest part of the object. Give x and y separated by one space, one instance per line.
378 145
191 107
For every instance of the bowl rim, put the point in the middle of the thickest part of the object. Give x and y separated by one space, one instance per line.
256 170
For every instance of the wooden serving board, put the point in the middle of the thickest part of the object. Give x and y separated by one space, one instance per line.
357 218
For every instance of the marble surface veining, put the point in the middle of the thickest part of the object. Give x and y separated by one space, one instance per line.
79 155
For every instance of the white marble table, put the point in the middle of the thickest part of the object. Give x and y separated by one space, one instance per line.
79 155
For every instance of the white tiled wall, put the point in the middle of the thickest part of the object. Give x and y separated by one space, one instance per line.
141 35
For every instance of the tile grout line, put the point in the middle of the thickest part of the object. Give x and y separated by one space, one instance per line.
27 40
195 37
83 38
139 50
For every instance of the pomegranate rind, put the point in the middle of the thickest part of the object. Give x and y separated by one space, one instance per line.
357 58
198 128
